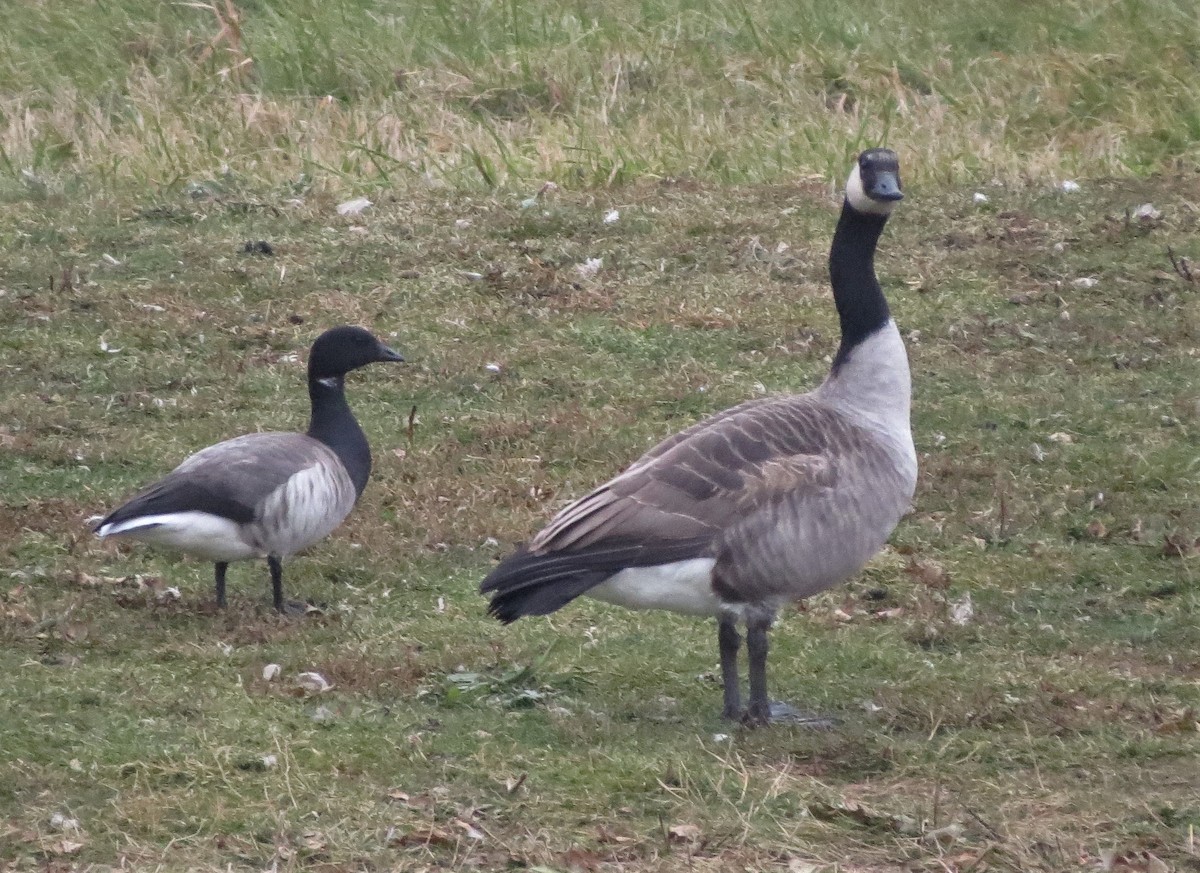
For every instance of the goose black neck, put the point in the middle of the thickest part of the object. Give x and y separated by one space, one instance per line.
334 424
862 308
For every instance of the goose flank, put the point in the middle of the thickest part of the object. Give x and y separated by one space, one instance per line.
771 501
265 495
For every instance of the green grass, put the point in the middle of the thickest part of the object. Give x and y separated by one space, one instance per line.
354 94
1057 724
1056 423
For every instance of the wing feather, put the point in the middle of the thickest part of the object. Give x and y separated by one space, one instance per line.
707 477
677 502
230 479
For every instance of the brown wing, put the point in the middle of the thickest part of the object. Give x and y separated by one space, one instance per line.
679 501
696 484
687 433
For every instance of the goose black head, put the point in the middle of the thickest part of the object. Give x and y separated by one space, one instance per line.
874 184
342 349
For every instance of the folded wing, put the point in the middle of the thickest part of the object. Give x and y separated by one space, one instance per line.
678 502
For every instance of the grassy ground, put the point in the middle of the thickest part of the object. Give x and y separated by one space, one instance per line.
1054 347
356 93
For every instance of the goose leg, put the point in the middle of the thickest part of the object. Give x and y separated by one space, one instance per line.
276 568
762 710
729 642
758 713
283 607
219 572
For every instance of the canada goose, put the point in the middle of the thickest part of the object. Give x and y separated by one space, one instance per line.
265 495
768 502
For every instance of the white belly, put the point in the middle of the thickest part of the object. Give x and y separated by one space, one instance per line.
195 533
683 586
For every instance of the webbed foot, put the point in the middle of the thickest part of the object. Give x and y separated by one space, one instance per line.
299 609
778 712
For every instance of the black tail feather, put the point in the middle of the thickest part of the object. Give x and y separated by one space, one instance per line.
545 598
527 583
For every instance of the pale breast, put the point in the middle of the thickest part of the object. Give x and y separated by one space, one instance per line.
305 509
806 542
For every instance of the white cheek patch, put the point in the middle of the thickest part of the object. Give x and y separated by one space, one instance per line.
857 197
